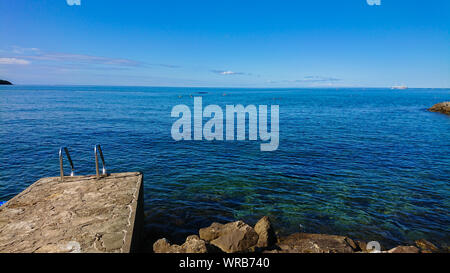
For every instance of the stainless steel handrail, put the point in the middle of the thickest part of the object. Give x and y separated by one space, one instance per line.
61 162
98 148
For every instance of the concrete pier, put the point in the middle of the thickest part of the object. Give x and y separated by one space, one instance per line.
78 214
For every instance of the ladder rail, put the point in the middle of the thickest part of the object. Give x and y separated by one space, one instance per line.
61 162
98 150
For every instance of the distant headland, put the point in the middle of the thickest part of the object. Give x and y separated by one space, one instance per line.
3 82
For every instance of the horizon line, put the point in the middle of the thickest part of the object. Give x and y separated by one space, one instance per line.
233 87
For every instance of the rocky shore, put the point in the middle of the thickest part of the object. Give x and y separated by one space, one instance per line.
239 237
443 107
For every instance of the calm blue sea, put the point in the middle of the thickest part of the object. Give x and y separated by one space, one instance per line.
371 164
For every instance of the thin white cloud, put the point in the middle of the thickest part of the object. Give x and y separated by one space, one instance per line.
14 61
76 59
81 58
318 79
24 50
226 72
309 79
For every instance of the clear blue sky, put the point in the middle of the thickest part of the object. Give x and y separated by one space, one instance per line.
226 43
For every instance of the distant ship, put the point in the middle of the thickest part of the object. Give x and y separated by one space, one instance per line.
399 87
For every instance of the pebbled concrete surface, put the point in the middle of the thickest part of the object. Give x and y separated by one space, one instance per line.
80 214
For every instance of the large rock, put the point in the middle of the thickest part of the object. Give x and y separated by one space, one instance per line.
443 107
235 237
210 233
404 249
266 234
163 246
316 243
193 244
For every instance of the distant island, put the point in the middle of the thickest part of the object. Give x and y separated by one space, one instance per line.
3 82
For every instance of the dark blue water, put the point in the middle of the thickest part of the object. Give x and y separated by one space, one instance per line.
371 164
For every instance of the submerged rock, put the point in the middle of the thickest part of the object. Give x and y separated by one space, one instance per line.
316 243
266 234
426 247
443 107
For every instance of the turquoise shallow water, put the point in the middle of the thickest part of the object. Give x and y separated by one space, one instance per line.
372 164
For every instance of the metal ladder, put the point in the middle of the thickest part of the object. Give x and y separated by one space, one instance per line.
97 151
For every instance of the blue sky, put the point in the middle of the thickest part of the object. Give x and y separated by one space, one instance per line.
226 43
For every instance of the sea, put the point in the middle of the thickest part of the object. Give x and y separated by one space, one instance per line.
369 163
